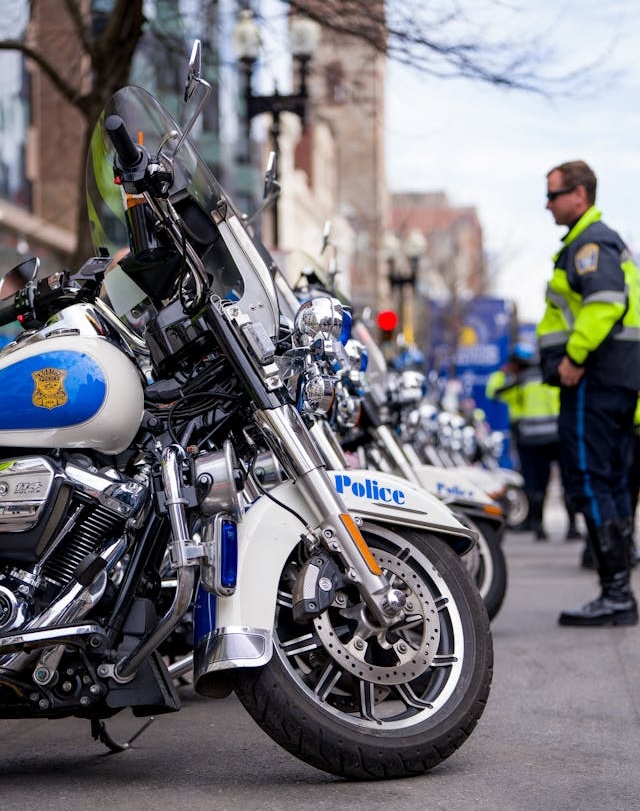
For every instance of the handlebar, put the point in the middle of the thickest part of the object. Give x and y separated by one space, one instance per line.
38 300
8 313
129 154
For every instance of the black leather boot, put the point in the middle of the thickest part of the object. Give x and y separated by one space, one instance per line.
616 604
536 503
627 528
573 533
588 559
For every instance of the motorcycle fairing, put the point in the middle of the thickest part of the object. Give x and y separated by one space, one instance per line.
237 631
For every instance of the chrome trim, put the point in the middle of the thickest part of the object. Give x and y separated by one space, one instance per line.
181 666
326 441
291 442
74 602
25 487
44 638
230 647
180 560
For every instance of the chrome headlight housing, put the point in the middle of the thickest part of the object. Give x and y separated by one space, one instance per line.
411 387
316 391
322 318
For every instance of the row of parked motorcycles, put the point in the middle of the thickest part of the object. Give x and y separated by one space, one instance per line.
234 486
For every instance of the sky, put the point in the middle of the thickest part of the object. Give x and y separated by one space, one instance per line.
491 148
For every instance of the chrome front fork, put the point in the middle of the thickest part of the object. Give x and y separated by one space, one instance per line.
330 520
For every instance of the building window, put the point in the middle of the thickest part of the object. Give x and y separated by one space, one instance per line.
335 89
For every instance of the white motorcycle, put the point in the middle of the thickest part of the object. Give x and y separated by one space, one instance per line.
336 607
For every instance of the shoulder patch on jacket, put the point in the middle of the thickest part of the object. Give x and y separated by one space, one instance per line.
587 258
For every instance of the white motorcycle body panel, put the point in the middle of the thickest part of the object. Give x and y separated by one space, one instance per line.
268 532
450 484
495 479
241 625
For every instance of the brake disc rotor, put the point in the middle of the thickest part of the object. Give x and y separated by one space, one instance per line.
385 655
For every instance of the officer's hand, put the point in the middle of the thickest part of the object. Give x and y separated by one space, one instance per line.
569 373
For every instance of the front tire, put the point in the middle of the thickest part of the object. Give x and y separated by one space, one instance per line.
516 506
491 575
370 703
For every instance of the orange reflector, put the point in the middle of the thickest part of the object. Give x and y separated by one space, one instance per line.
141 138
364 550
134 200
492 509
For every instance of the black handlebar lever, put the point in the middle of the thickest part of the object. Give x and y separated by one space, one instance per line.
131 160
32 305
129 154
134 168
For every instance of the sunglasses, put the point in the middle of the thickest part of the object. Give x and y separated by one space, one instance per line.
551 195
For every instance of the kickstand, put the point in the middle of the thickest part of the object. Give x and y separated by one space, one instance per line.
99 733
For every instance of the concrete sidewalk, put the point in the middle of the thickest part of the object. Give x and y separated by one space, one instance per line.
563 721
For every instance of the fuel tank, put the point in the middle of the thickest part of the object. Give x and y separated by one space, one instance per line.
69 391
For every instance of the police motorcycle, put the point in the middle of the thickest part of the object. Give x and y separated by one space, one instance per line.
463 440
337 608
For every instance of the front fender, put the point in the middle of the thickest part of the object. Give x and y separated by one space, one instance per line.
237 631
457 490
389 499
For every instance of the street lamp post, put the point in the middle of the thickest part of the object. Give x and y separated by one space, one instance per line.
247 41
414 246
403 265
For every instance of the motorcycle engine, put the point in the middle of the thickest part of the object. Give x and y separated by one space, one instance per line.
55 518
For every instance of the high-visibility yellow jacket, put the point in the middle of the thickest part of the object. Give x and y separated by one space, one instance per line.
593 306
533 405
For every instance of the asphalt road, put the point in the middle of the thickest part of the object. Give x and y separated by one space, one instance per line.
561 731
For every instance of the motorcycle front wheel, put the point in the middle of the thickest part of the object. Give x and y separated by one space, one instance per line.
491 575
516 506
365 702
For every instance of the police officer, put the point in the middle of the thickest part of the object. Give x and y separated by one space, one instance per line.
533 416
589 340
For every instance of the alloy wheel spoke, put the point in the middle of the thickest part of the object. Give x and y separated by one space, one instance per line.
301 644
366 697
407 694
327 681
441 603
444 660
284 598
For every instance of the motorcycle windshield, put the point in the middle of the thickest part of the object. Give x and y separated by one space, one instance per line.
236 269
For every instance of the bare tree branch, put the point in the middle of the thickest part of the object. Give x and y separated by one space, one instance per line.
75 13
70 92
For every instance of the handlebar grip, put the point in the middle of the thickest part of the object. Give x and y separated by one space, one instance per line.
8 312
128 152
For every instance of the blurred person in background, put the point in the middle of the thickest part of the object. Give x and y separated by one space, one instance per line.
533 416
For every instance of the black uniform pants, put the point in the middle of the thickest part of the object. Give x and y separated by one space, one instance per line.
536 462
596 443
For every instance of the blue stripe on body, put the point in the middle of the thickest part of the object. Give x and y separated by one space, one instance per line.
84 384
582 454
